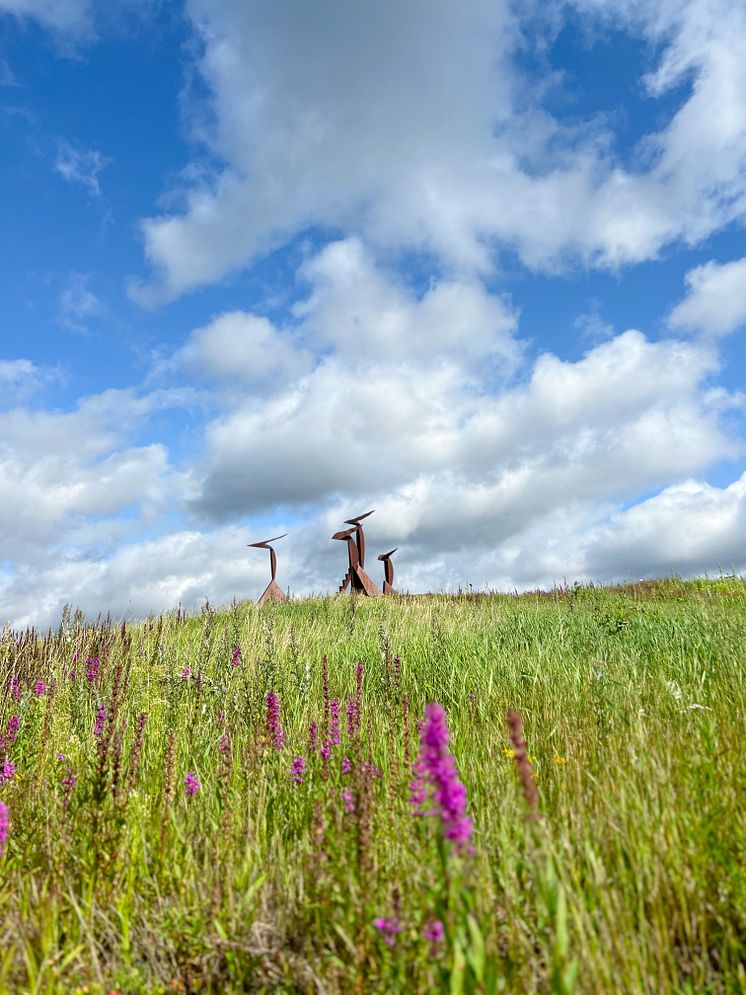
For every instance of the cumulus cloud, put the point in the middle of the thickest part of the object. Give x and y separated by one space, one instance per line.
69 16
417 130
715 303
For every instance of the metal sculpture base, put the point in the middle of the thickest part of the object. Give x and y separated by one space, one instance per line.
273 592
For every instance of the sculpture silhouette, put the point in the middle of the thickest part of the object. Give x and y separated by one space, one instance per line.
356 577
273 591
388 570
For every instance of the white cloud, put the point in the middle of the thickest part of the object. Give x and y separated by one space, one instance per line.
715 302
418 131
69 16
81 166
78 304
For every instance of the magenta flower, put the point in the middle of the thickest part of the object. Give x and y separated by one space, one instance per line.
389 927
14 723
92 668
39 688
191 784
434 931
15 688
334 735
346 765
418 787
186 674
4 827
100 719
298 769
348 800
449 794
236 658
7 771
69 781
313 736
274 729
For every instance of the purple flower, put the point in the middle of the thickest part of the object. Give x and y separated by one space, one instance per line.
236 658
298 769
348 800
418 787
7 771
186 674
4 824
39 688
100 719
274 729
15 688
439 769
313 736
69 781
191 784
92 668
434 931
60 756
14 723
389 927
334 736
346 765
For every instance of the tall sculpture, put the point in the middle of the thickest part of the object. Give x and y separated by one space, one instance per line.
388 570
356 577
273 591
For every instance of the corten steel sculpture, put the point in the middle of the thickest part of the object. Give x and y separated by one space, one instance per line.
273 591
356 577
388 569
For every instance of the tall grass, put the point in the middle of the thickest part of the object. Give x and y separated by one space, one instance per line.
163 836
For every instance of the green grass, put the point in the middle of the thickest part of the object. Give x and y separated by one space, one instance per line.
633 880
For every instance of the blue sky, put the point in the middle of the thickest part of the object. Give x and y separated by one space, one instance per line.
266 266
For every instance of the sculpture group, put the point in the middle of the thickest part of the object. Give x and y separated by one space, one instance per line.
356 578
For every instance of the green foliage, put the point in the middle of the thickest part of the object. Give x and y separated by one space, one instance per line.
633 879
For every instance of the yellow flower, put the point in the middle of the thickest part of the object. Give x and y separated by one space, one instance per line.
509 753
560 760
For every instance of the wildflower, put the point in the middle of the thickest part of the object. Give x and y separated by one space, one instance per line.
440 770
7 771
60 756
348 800
560 760
433 932
100 719
346 765
39 688
92 669
313 736
298 769
186 674
418 787
191 784
334 735
389 927
274 729
15 688
352 721
69 781
509 753
4 822
523 765
14 723
236 657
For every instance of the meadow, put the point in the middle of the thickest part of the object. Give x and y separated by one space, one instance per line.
252 800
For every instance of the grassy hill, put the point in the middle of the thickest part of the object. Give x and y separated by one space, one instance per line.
224 803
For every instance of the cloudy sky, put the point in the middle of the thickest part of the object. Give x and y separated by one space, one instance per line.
267 265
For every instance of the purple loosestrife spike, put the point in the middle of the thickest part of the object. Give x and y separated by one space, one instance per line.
4 827
298 769
388 927
434 932
39 688
351 718
191 784
523 765
92 669
418 788
348 800
313 737
274 730
236 658
14 723
186 674
7 771
100 719
449 793
334 735
15 688
346 765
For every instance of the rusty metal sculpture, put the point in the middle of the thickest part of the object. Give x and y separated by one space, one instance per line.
388 569
273 591
356 577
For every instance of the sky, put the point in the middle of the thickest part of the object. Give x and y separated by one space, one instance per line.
265 266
